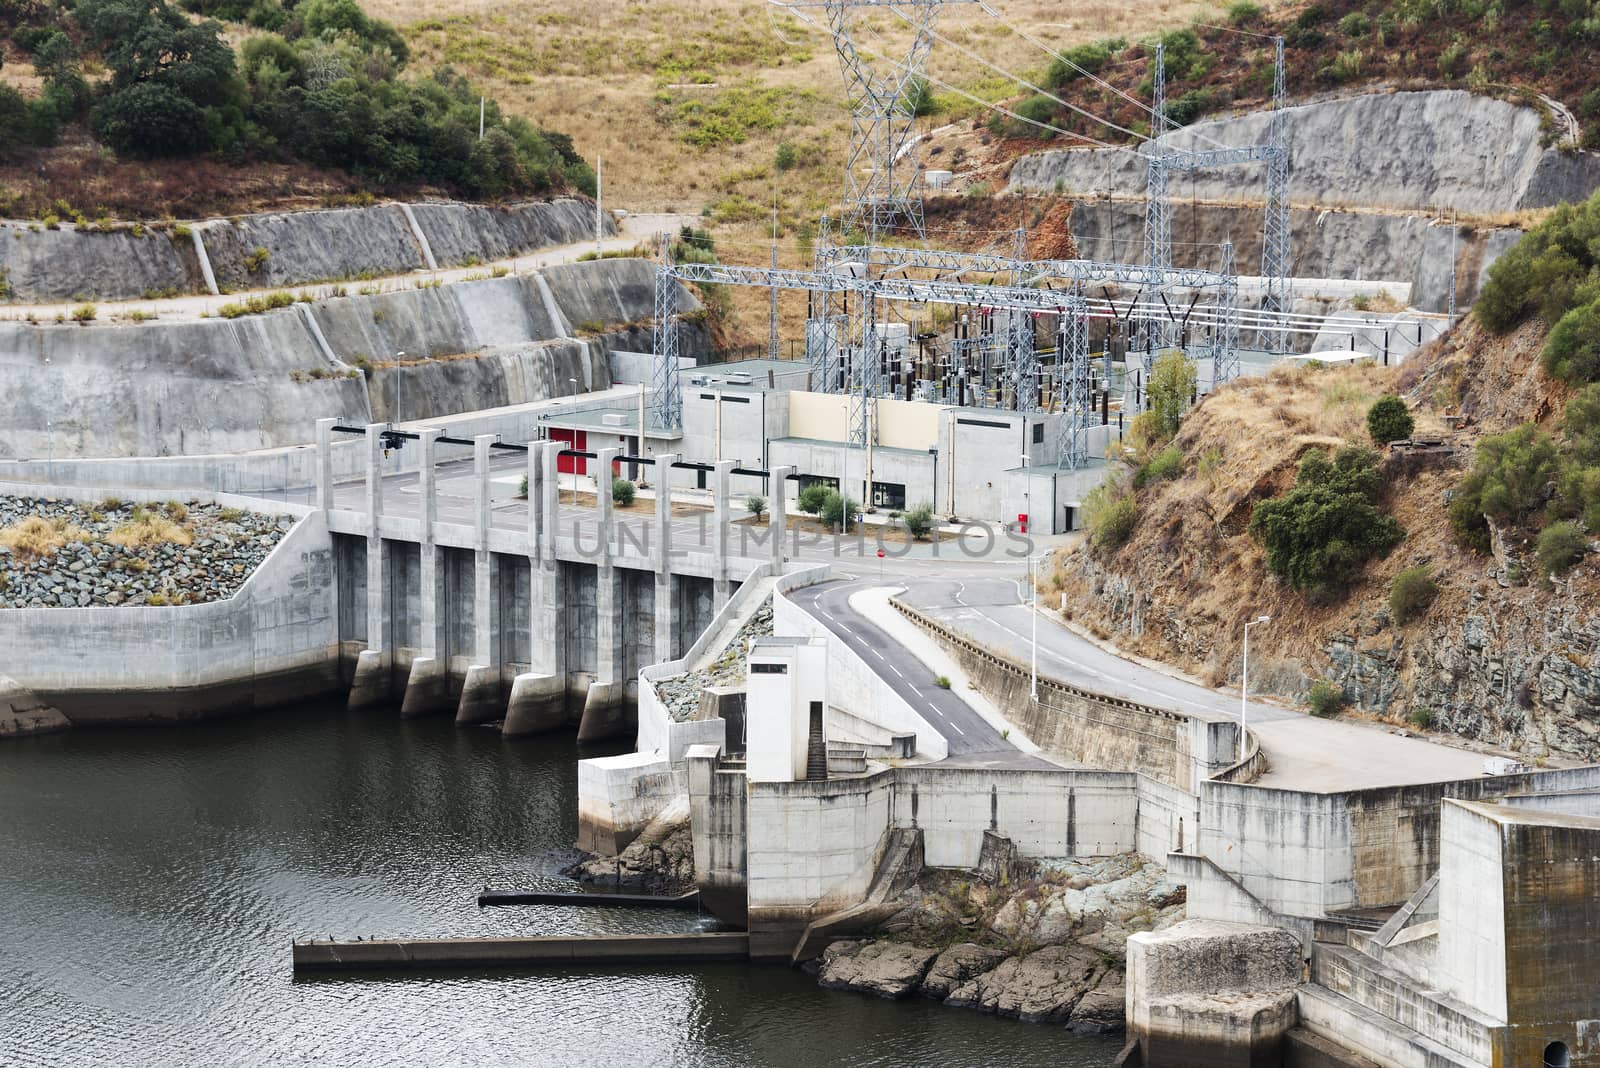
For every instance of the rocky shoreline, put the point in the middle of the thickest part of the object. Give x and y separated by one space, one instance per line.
659 861
1043 943
66 554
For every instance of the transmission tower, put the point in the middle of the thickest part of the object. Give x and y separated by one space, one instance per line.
882 182
1275 232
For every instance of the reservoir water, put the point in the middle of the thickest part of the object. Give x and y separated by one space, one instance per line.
151 880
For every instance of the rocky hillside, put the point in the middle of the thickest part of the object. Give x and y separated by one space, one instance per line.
1499 645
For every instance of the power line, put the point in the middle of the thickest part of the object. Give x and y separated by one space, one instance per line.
1021 118
1023 81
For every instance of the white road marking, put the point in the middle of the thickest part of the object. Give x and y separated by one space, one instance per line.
895 670
875 653
956 728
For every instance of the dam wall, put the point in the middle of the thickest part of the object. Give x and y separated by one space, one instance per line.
203 386
88 262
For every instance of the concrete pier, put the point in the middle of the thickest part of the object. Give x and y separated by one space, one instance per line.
603 713
560 950
428 687
481 692
372 684
538 703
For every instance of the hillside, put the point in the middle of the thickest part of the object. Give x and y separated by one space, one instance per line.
1504 651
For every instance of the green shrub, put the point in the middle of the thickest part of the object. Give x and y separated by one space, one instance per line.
1547 273
942 681
1321 533
1560 546
1089 57
918 521
839 511
1572 351
1354 24
256 260
522 488
1168 463
622 491
1172 384
1243 13
1326 698
1389 420
812 497
785 158
1411 592
1581 424
1420 718
1109 514
1509 475
756 505
1033 116
918 97
83 313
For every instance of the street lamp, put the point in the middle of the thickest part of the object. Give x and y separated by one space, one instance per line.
1244 682
1033 601
399 386
574 383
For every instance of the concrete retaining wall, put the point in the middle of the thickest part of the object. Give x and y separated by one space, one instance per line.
207 386
272 643
813 845
70 263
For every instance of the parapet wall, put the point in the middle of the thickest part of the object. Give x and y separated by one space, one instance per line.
1071 723
261 381
86 263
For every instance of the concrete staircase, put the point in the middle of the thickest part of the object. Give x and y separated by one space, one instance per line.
817 749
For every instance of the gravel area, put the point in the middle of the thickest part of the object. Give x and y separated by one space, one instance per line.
681 693
67 554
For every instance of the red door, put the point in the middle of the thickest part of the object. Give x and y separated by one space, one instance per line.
571 439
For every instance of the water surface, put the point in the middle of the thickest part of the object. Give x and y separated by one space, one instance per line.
151 880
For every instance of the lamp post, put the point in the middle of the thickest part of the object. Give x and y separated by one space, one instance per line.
574 383
1244 682
1033 602
399 386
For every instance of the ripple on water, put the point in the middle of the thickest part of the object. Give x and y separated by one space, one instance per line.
153 879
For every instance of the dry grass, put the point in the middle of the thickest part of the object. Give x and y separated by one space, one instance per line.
35 538
147 529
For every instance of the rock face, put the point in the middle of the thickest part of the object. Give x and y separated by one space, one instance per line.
958 965
884 969
89 569
1042 987
1474 153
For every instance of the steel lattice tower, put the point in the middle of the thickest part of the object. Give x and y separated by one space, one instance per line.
666 408
1275 235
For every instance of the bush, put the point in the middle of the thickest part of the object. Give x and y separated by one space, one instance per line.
1355 24
942 681
812 497
1411 592
1243 13
1507 482
1389 420
1582 424
83 313
1321 533
1033 116
1082 58
1572 351
1109 514
151 120
1547 273
838 510
1560 546
1420 718
1326 698
785 158
622 491
918 521
756 505
1168 463
1172 384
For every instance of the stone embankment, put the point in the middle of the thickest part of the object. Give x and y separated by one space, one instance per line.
111 262
680 694
61 554
1043 944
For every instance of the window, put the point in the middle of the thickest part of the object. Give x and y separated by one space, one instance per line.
889 495
769 669
1038 433
807 481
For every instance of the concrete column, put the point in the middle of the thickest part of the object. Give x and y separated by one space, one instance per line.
371 684
778 490
538 695
663 541
480 695
428 687
602 706
325 464
720 511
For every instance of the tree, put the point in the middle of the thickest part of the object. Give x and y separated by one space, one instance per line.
756 505
1389 420
151 119
1321 533
838 510
1582 424
918 521
1110 513
1572 351
1173 381
622 491
1509 476
812 497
